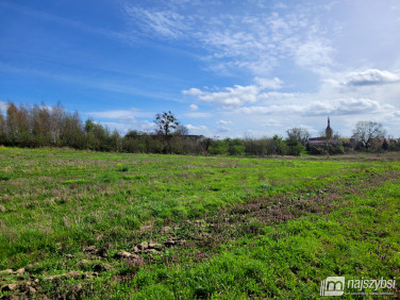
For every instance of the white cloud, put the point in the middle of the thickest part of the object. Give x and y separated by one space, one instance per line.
281 5
349 106
192 92
313 54
194 115
272 123
371 77
223 129
193 107
166 23
200 129
121 127
114 114
123 120
223 122
231 97
124 126
356 107
121 114
237 95
256 39
265 83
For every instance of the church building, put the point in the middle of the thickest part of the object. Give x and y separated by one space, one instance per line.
323 139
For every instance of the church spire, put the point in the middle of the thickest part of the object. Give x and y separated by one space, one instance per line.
328 130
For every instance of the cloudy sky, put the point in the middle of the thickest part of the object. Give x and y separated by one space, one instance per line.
224 68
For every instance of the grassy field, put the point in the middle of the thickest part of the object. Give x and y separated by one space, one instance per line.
78 224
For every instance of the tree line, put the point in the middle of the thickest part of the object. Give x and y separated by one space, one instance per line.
53 126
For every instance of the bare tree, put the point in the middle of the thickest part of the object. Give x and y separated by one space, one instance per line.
366 131
41 125
57 122
12 123
2 128
299 134
72 133
182 130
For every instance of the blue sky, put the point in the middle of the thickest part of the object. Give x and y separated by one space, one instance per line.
224 68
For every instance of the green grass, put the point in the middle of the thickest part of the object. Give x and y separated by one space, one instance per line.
240 227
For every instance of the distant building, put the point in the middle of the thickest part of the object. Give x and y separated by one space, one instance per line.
323 139
328 130
316 140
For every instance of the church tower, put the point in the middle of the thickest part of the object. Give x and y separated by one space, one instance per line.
328 130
